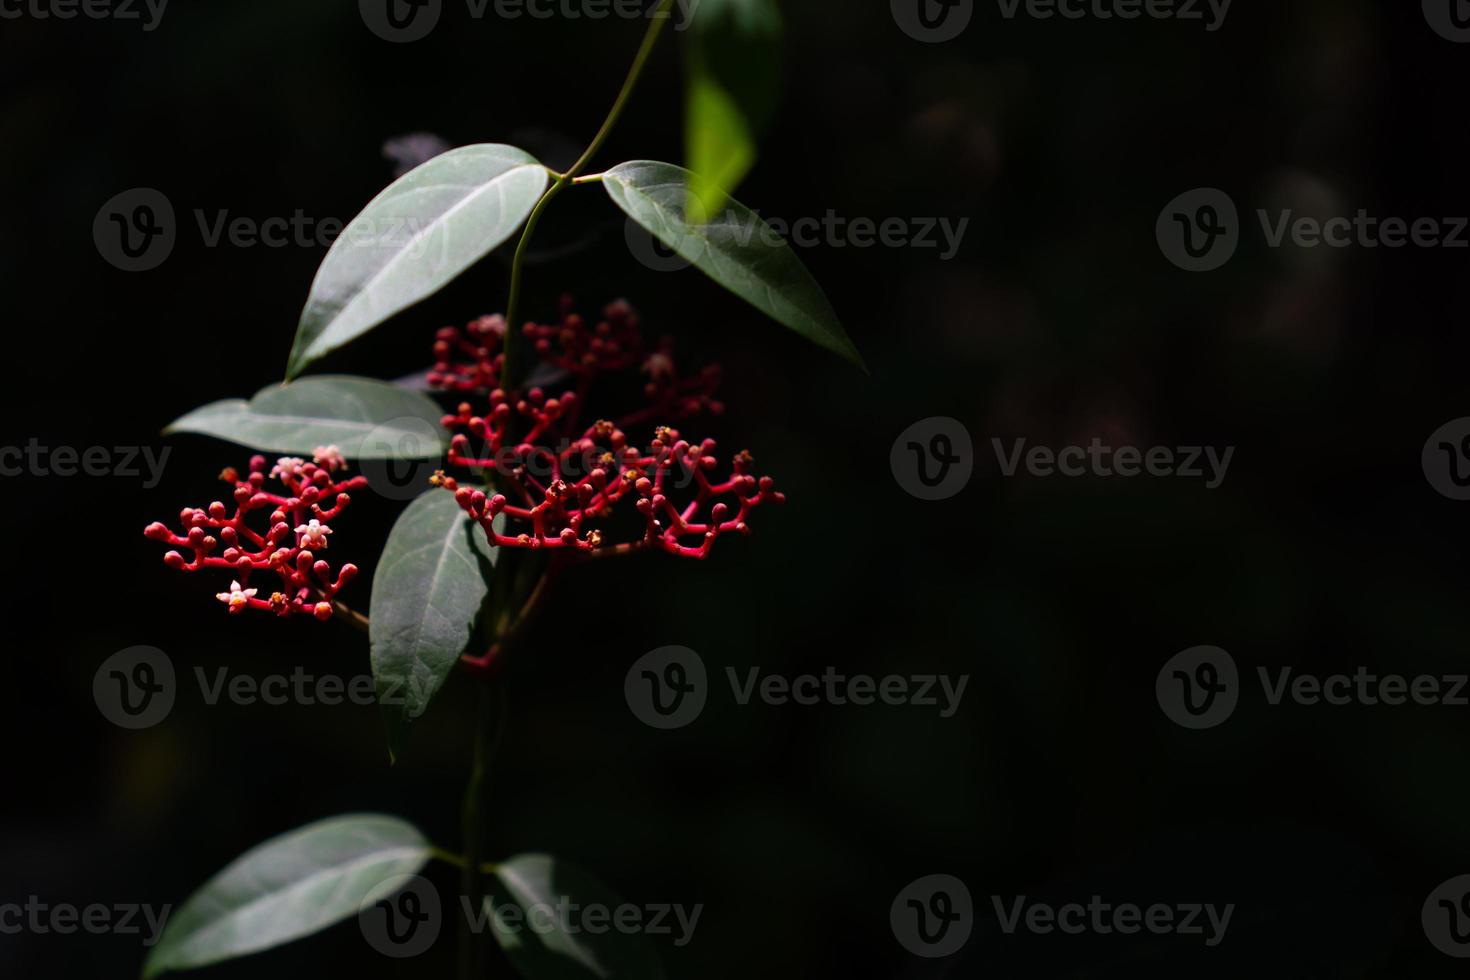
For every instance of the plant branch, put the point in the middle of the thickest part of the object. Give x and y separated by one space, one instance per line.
515 629
490 723
349 615
660 18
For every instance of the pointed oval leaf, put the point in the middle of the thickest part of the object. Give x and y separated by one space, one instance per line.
365 419
289 887
525 894
736 249
431 581
413 239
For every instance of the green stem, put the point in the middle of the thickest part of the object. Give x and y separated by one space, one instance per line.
487 730
448 857
660 18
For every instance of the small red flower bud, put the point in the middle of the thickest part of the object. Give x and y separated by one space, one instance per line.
323 611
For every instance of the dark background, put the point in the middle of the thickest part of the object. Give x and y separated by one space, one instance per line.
1060 778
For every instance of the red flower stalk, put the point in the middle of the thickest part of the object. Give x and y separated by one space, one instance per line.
296 532
563 484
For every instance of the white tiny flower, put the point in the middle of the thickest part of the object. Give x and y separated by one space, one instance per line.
329 458
237 598
286 466
313 535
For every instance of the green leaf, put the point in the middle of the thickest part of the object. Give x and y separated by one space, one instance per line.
719 143
431 581
546 946
289 887
737 250
413 239
733 84
365 419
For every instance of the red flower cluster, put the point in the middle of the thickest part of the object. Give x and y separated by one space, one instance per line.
470 359
559 480
563 514
296 533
